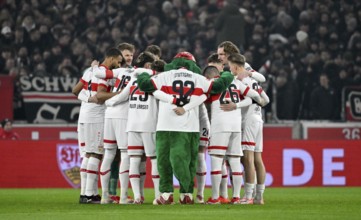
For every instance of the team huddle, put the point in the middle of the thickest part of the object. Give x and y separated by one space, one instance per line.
171 113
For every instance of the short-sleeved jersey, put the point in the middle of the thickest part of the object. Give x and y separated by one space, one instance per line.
228 121
143 109
91 112
182 84
122 80
254 108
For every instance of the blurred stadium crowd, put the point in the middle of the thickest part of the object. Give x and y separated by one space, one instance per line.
307 49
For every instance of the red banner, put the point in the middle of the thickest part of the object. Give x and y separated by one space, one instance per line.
48 164
6 91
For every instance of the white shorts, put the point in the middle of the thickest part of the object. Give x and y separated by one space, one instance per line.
93 137
225 143
204 137
115 134
252 136
81 140
140 143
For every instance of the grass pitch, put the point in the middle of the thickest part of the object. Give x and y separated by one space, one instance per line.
281 203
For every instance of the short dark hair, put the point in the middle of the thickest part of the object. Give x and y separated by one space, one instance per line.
126 46
229 47
154 49
210 72
143 58
213 58
113 52
158 65
237 58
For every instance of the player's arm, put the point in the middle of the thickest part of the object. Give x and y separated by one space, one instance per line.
230 106
247 91
222 83
254 74
145 83
103 73
257 76
195 101
121 97
265 99
77 88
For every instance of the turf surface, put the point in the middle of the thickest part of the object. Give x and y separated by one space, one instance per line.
281 203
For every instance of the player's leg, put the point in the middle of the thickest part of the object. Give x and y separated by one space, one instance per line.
108 183
94 145
84 162
260 168
234 153
217 150
201 174
135 152
149 148
224 183
114 174
143 174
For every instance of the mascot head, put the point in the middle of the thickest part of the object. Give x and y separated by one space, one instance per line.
183 60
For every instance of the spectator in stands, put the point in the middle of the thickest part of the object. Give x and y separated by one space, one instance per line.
7 133
323 100
230 24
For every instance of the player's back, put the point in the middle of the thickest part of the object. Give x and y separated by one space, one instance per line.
227 121
182 84
143 110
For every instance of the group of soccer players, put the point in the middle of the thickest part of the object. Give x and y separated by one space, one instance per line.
118 124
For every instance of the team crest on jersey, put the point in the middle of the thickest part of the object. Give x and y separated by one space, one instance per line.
69 162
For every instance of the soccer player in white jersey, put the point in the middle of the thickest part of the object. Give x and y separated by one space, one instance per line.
252 141
115 136
177 136
227 48
214 61
91 124
226 134
127 51
141 125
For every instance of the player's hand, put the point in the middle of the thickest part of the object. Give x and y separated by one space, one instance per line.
93 99
180 102
94 63
230 106
262 102
179 110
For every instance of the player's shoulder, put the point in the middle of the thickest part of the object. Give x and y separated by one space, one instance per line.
248 67
248 81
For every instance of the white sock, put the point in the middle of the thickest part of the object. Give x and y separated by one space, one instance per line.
201 174
108 158
83 175
92 172
259 191
124 175
143 174
96 181
248 188
224 181
155 177
134 176
235 164
216 175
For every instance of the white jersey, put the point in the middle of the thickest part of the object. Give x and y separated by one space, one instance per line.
183 84
123 77
228 121
91 112
143 109
253 109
